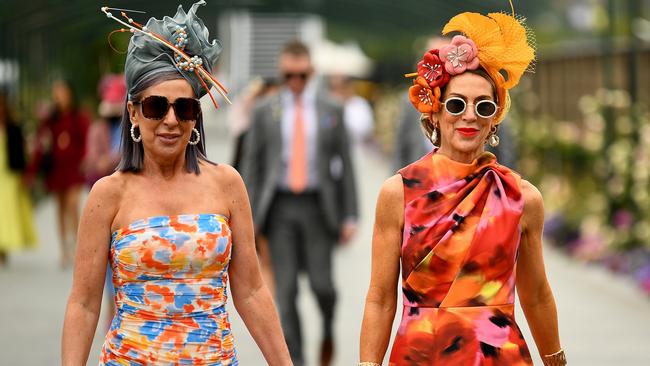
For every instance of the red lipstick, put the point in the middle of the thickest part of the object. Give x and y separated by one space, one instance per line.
468 131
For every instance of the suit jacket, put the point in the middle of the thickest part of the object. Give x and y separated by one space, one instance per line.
262 161
410 141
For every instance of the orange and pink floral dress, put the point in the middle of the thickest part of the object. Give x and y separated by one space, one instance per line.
459 251
170 275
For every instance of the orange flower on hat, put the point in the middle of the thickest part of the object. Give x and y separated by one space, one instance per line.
425 99
432 69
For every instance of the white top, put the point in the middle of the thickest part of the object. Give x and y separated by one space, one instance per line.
358 118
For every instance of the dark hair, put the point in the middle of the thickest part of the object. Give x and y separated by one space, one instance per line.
295 48
427 123
4 103
132 152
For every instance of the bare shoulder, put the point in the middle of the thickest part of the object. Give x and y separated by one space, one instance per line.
104 200
390 203
392 189
230 188
532 196
226 181
533 204
223 173
109 189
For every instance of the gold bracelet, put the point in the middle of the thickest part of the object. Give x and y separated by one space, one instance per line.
555 359
368 364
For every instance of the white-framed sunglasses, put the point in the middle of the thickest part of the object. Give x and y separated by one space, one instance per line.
484 108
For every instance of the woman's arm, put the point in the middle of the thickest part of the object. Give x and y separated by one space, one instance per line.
534 291
382 293
250 295
85 298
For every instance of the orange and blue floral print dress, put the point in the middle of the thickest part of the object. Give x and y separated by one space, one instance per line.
170 275
459 251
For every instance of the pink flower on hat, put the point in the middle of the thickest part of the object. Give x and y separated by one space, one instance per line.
460 55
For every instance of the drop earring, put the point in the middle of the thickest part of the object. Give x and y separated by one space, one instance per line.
493 139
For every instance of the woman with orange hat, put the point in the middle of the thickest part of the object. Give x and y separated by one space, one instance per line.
465 229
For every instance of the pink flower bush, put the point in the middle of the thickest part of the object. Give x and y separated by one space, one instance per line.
460 55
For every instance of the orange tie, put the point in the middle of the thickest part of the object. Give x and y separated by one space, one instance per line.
298 159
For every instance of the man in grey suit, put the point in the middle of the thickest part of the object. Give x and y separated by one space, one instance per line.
297 168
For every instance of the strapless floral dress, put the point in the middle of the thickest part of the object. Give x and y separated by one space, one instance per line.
170 275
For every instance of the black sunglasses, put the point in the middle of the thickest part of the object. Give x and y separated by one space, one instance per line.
484 108
290 75
156 107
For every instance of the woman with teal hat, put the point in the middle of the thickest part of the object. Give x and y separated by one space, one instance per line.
175 228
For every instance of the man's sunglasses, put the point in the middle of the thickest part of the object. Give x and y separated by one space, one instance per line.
484 108
301 75
156 107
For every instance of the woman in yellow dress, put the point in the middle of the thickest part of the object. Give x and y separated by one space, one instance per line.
16 226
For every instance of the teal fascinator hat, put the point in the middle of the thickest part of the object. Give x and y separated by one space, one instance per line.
180 44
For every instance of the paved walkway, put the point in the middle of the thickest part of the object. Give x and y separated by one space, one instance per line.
604 320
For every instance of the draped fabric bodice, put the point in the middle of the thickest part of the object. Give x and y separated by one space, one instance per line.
170 278
459 249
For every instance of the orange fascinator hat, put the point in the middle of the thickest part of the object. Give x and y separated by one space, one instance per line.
499 43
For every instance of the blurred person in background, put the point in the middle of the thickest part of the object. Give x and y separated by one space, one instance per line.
240 113
59 153
16 221
103 150
357 112
239 117
410 143
175 227
299 174
103 144
464 228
